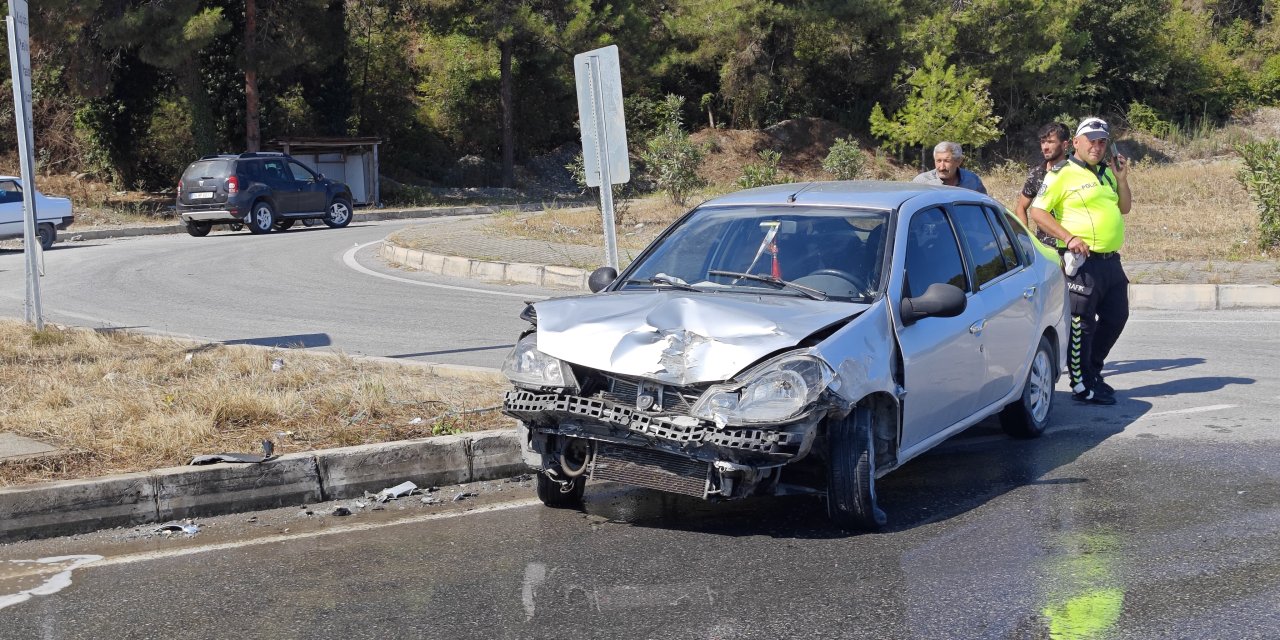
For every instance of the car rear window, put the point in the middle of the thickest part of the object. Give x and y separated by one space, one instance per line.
206 169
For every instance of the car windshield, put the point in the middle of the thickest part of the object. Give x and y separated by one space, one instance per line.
834 253
207 169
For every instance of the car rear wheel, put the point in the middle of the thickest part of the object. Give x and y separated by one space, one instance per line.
284 225
851 474
262 218
199 229
47 234
1028 416
338 214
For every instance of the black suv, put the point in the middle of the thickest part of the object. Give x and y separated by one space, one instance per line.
264 191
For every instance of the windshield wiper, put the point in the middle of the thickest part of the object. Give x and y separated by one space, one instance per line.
670 281
782 284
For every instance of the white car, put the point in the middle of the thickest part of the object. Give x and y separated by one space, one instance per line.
52 213
801 338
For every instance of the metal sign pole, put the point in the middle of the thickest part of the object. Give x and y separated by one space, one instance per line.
20 63
602 143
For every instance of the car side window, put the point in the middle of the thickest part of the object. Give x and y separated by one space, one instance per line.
274 172
932 254
1022 237
1011 255
300 172
10 192
980 242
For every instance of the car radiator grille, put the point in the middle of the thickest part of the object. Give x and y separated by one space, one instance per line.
650 469
624 392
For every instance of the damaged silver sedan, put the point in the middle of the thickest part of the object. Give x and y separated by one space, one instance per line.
793 339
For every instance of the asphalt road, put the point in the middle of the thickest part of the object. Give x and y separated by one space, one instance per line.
307 287
1156 518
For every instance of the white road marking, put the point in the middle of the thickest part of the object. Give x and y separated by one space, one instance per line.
98 561
1133 319
350 259
1212 407
55 583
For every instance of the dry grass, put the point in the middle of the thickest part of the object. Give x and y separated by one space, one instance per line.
1186 211
129 403
1192 210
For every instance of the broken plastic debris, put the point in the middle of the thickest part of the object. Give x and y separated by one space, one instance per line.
189 529
464 495
277 364
342 511
268 448
391 493
416 421
430 500
188 358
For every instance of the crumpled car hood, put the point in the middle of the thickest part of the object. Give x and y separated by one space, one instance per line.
679 337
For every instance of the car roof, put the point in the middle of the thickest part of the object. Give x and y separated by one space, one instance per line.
864 194
247 154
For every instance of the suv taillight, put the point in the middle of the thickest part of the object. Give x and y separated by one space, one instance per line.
233 185
179 188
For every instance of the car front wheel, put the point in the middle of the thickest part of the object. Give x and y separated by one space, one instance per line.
47 234
339 213
851 474
1028 416
262 219
561 493
199 229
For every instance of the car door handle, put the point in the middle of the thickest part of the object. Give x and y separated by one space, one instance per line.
977 327
1029 293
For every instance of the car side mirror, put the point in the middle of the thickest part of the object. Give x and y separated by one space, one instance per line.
940 300
601 278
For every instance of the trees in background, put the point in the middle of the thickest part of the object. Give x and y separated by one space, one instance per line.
130 89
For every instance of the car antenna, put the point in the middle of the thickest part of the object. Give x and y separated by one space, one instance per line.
792 198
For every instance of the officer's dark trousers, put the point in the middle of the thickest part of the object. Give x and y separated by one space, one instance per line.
1099 311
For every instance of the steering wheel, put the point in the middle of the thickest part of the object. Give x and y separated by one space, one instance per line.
859 284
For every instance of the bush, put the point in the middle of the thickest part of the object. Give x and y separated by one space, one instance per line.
1261 177
1144 118
765 173
671 159
845 161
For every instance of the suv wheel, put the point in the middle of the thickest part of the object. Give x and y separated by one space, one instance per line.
199 229
339 213
263 218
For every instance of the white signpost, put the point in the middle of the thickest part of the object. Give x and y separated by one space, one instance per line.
604 132
20 62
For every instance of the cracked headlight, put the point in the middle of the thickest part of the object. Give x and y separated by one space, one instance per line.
780 390
526 366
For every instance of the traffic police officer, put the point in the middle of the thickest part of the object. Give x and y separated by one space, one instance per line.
1082 204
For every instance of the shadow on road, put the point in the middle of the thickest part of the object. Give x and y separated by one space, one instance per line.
1185 386
448 351
1156 364
297 341
973 468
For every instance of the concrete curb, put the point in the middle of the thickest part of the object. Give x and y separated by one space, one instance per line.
487 270
79 506
365 216
1162 297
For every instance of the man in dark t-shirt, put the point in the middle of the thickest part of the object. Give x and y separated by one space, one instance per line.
1054 142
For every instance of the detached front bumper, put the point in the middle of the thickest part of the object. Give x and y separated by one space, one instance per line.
675 453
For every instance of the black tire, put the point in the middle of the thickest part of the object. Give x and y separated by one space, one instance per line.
851 475
199 229
284 225
338 215
558 496
235 226
262 218
47 235
1028 416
